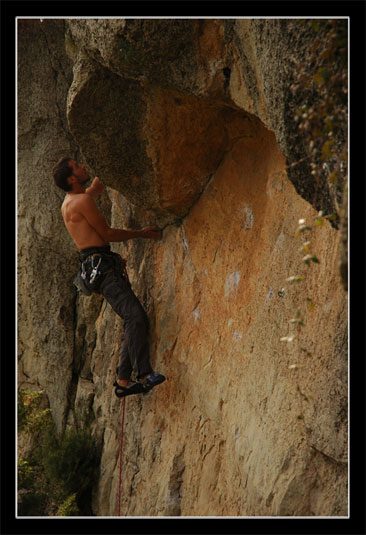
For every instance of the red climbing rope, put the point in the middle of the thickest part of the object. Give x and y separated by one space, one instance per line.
125 274
120 457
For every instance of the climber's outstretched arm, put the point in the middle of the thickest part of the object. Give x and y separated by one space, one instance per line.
88 209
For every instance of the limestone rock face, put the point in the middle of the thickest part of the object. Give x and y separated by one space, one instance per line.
46 257
245 64
189 123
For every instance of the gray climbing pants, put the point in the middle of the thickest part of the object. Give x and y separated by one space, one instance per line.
112 282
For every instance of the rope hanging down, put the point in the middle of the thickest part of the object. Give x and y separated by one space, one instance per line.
125 274
120 456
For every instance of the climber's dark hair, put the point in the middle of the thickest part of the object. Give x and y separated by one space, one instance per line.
61 172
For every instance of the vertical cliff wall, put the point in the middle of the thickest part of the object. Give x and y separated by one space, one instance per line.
45 254
189 124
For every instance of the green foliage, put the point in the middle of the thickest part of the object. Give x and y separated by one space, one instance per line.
323 89
71 461
26 475
30 416
69 507
310 258
32 493
58 474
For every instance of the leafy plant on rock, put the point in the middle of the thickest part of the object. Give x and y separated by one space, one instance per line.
322 116
309 258
58 473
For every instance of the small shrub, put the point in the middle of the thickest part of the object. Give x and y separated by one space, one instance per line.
58 473
31 418
71 462
25 474
68 507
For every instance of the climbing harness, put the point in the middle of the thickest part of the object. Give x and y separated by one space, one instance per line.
120 456
87 262
82 276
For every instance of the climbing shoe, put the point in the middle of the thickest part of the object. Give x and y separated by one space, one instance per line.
122 391
152 380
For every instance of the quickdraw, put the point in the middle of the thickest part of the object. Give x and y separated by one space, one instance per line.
95 271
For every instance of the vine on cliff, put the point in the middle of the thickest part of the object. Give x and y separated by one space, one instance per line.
324 122
309 258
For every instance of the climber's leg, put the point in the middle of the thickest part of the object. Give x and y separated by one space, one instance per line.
135 349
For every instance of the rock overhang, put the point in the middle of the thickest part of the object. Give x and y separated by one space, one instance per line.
136 67
159 147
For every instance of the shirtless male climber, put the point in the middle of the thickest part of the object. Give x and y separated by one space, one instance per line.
104 271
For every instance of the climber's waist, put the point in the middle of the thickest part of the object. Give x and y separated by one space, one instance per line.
102 249
101 259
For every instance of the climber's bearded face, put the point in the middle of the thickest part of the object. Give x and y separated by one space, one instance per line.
79 172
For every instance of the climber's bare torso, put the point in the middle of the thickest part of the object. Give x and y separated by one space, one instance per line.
82 218
85 223
75 210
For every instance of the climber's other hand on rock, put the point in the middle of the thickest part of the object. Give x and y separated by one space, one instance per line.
152 233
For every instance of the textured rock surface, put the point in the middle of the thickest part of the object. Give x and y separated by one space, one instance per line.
244 63
188 123
45 254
